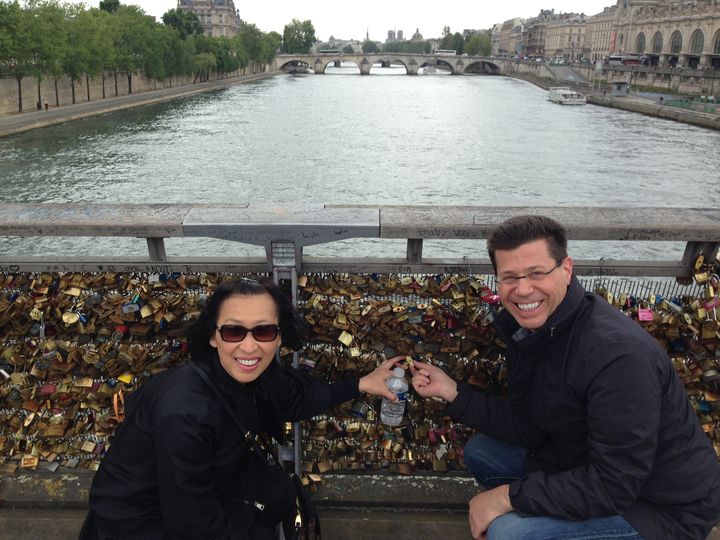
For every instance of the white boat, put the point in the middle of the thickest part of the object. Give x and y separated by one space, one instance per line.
566 96
300 68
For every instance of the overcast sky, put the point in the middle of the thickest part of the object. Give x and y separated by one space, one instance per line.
350 20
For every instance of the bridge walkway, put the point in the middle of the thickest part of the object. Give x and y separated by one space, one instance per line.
52 506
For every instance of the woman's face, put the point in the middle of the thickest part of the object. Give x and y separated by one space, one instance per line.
247 359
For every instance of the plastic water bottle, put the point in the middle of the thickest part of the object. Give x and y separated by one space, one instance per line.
391 413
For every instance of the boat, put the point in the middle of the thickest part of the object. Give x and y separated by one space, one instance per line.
295 69
566 96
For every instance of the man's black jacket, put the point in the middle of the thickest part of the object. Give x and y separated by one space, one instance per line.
607 423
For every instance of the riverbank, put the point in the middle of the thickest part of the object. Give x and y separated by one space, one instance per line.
649 107
13 124
646 104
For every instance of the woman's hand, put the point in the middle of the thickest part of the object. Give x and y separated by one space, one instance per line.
431 381
374 382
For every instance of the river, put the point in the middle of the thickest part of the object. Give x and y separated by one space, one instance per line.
381 139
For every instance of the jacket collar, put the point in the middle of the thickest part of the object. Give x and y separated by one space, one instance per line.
561 319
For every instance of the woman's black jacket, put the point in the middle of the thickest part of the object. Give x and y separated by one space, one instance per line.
178 466
607 423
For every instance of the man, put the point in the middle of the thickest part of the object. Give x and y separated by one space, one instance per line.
597 438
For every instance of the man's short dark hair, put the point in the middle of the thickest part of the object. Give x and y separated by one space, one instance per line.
520 230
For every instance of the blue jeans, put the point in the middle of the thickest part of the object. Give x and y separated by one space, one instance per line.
494 463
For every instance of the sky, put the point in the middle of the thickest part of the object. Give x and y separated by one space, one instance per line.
351 20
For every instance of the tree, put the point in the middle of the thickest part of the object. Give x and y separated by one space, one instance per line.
111 6
458 43
348 49
48 39
186 22
455 42
478 45
408 47
131 40
89 48
298 37
203 64
15 44
369 46
94 45
9 14
274 41
271 43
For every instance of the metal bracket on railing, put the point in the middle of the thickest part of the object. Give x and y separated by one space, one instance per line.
156 249
301 226
285 265
414 250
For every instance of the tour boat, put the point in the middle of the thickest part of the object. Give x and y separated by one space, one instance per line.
566 96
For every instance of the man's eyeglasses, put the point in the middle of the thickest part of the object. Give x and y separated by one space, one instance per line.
234 333
537 275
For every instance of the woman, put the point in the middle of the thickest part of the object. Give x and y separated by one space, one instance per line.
179 466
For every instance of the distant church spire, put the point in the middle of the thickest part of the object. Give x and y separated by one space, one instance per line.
367 34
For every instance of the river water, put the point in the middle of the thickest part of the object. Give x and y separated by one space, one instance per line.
381 139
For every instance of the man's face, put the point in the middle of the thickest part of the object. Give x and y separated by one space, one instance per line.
532 301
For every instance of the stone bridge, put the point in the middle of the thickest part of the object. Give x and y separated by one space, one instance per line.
457 65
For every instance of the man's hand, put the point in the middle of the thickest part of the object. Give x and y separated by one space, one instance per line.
431 381
485 507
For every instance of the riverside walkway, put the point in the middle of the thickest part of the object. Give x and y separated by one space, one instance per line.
14 123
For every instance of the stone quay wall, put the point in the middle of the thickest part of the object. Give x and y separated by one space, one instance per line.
99 87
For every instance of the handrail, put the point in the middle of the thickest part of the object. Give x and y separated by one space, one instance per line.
303 225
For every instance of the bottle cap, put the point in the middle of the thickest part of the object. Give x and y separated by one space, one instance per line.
399 372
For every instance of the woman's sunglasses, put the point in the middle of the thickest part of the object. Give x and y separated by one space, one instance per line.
233 333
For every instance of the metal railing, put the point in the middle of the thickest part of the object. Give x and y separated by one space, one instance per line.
283 228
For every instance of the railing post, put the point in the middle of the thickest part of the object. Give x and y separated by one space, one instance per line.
156 249
414 250
285 259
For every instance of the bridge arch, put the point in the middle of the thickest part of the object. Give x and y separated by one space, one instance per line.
412 62
289 61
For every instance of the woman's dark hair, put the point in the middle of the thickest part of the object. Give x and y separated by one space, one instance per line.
200 332
515 232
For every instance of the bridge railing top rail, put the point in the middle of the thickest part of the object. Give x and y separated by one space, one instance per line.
309 224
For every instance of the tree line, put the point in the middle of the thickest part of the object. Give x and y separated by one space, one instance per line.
45 39
473 45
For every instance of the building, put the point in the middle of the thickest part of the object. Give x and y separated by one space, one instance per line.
598 34
534 33
565 37
510 41
390 36
666 33
400 35
495 39
217 17
669 33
